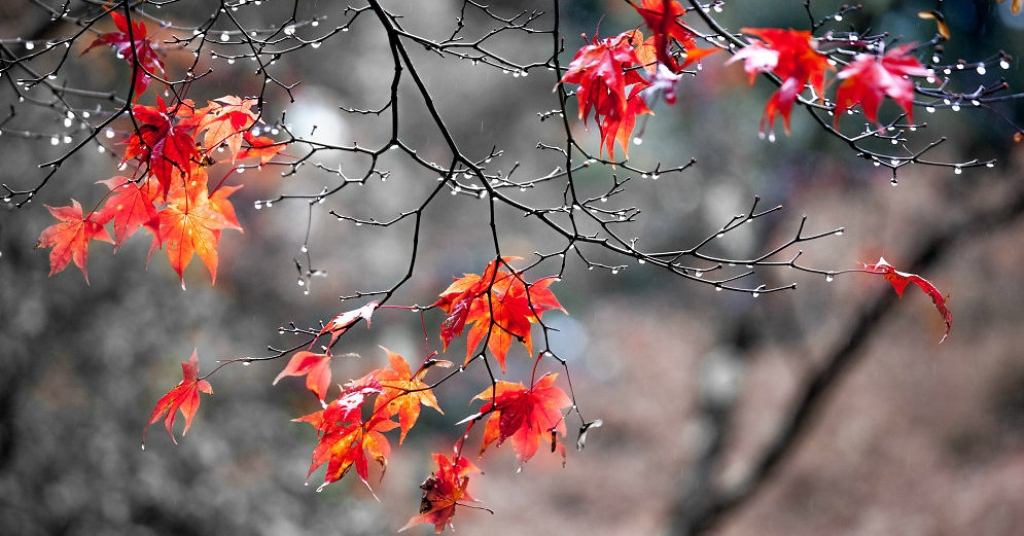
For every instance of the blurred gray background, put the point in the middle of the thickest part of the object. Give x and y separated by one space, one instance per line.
910 437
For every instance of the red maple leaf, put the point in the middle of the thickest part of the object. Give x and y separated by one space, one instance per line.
70 238
663 18
340 324
166 148
900 280
404 392
130 207
443 491
149 62
345 440
604 70
793 56
184 398
501 307
868 79
528 416
190 224
315 367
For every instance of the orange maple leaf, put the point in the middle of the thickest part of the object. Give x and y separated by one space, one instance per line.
70 238
528 416
868 79
315 367
900 280
501 307
403 392
443 491
260 147
184 398
345 440
191 222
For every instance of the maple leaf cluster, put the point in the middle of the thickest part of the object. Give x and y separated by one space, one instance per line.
793 57
500 305
171 194
620 76
171 148
616 74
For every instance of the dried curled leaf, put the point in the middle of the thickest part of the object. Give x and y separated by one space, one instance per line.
900 280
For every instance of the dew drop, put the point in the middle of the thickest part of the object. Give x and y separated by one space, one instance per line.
829 278
30 45
641 261
1003 64
109 133
637 141
990 165
246 363
718 289
981 69
698 274
224 37
615 271
893 182
771 137
315 44
930 109
957 170
604 199
955 107
839 232
755 294
838 17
